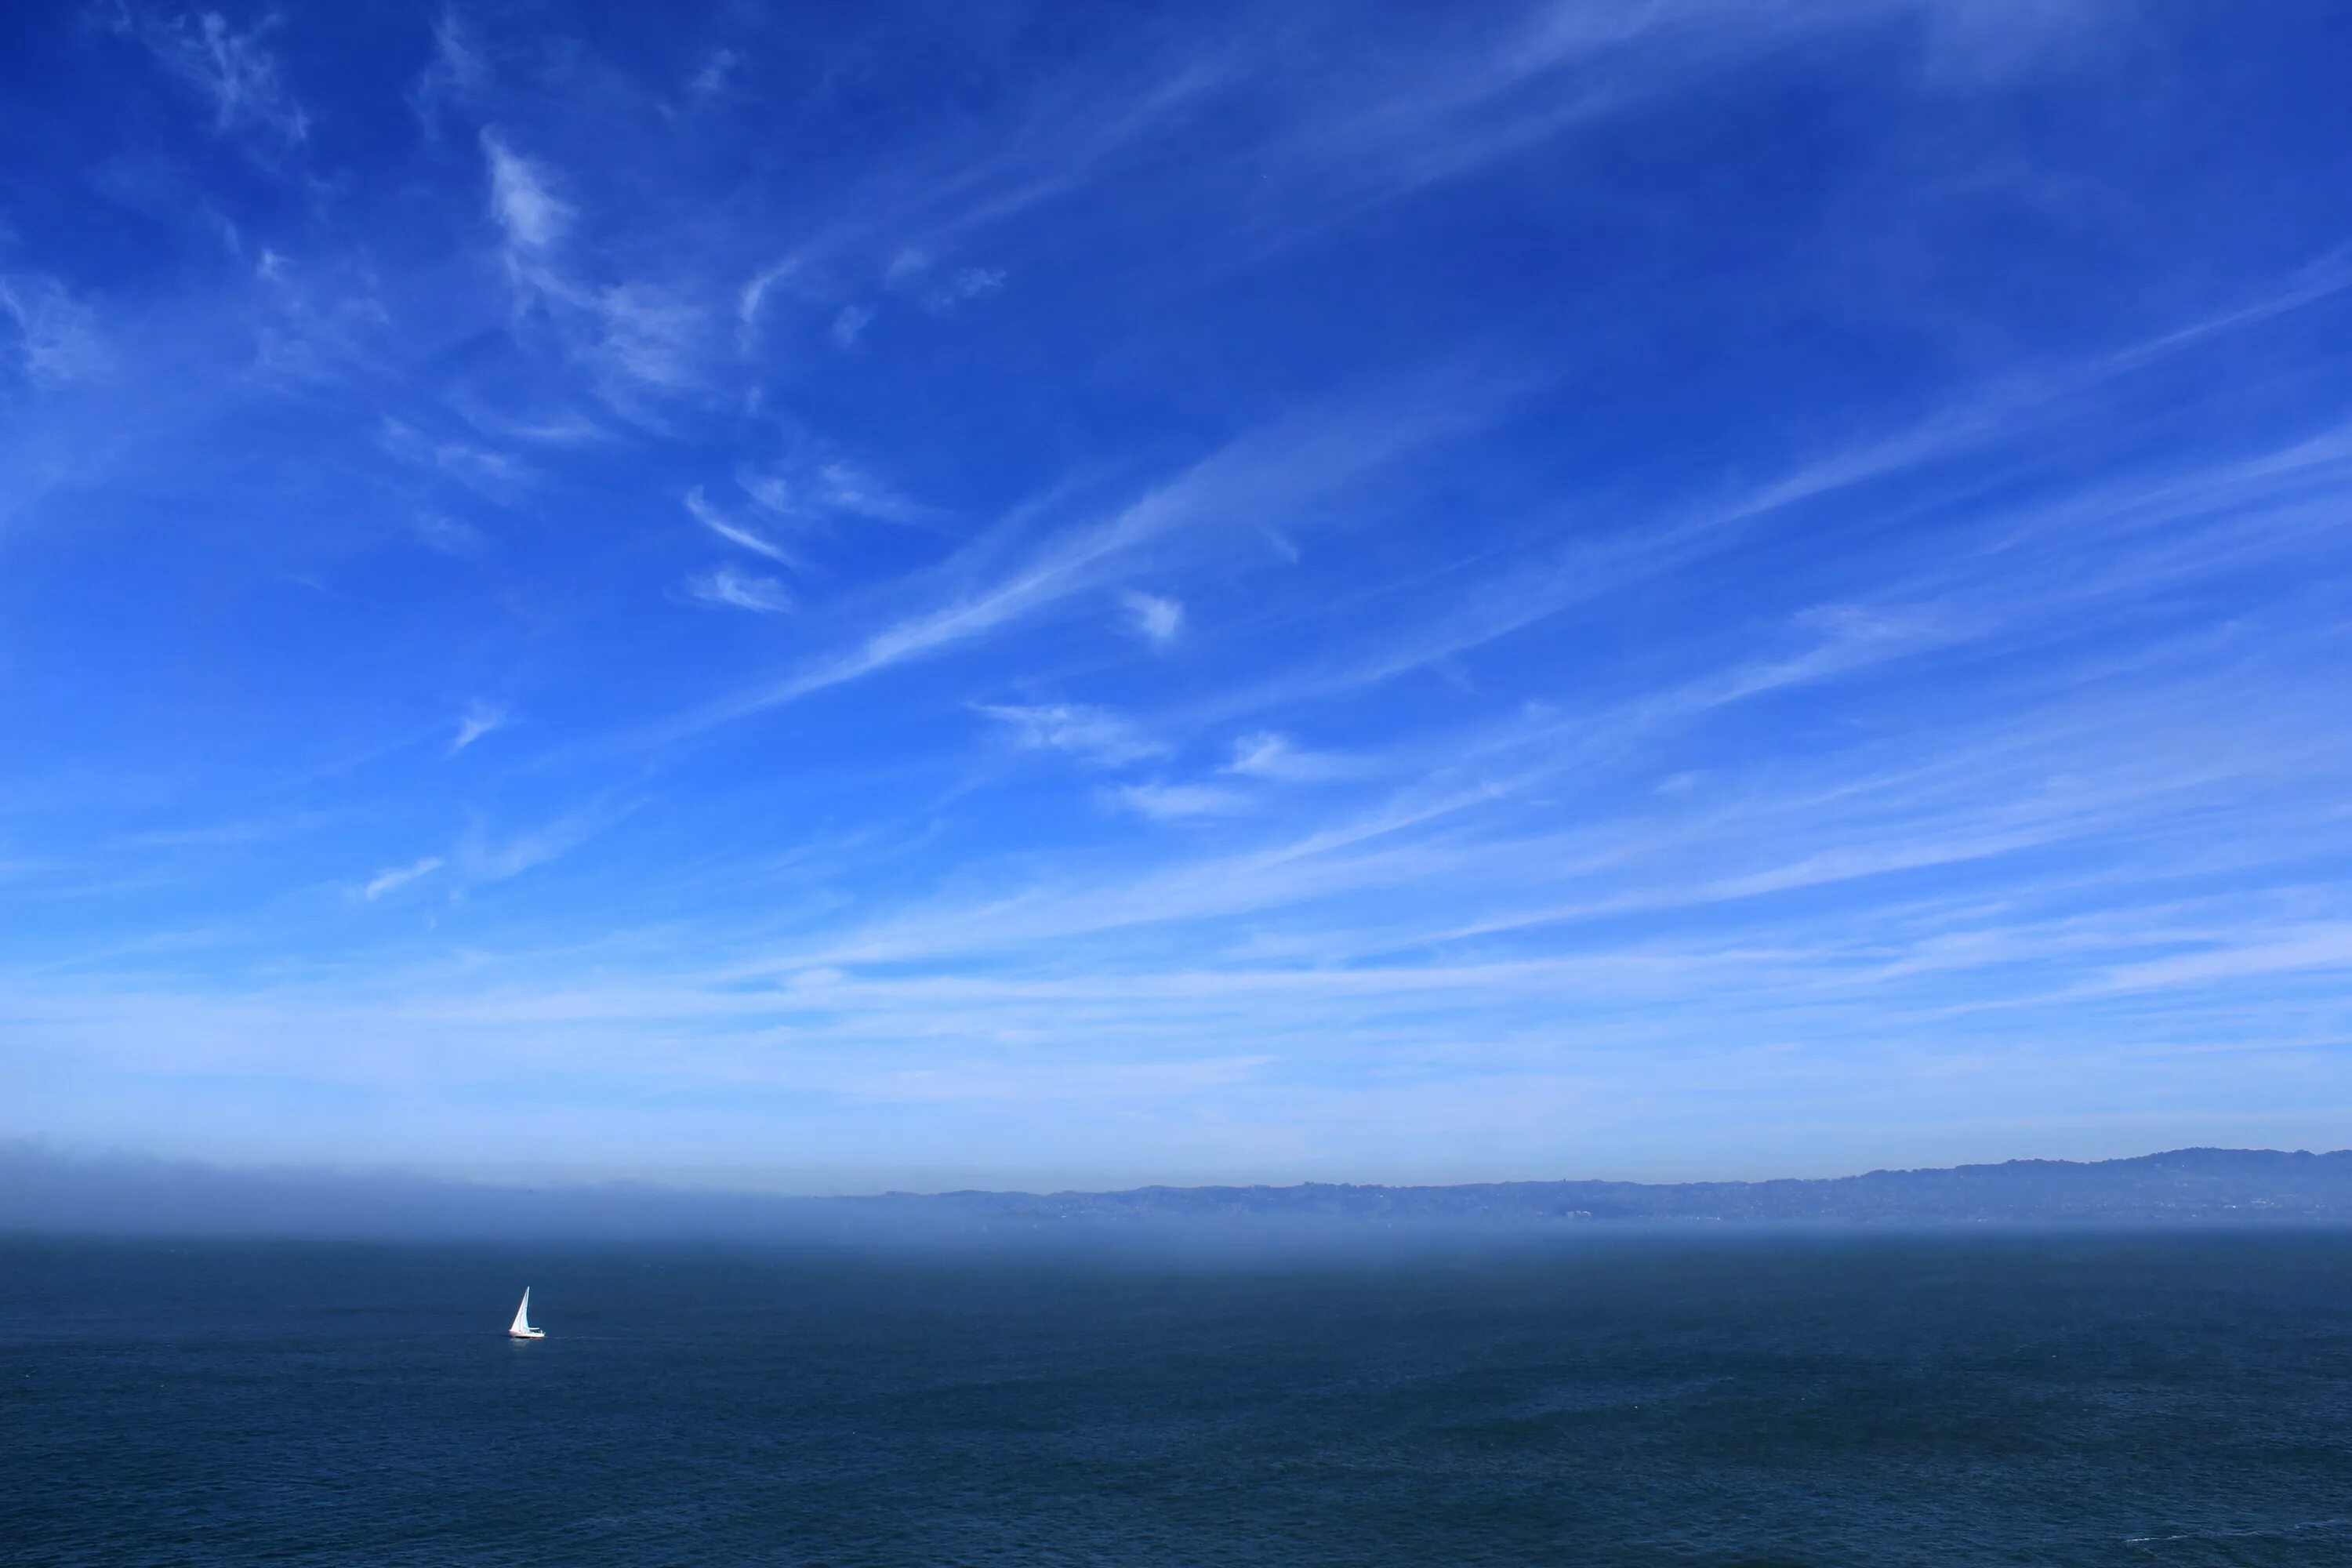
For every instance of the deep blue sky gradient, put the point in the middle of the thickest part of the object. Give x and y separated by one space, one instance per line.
915 595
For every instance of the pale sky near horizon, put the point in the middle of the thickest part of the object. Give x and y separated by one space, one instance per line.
923 595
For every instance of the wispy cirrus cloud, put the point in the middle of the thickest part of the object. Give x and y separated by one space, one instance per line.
849 324
1297 466
398 876
638 340
523 201
1157 618
736 532
823 488
2315 947
1276 757
479 719
446 534
647 338
753 298
913 273
55 337
320 325
497 475
1180 802
847 489
483 857
1096 735
713 79
1354 133
738 590
458 74
1943 456
233 72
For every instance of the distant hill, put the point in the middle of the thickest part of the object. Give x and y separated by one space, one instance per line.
2203 1186
44 1191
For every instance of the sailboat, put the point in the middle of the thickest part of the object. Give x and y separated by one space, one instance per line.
521 1328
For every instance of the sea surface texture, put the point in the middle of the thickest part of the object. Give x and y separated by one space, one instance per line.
2051 1400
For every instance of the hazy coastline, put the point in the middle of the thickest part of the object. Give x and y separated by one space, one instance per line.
43 1192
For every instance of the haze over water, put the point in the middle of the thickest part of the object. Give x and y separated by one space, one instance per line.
2079 1400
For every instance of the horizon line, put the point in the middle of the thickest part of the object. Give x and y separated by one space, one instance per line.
25 1149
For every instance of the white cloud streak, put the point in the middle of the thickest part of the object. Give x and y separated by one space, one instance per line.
458 74
740 591
1155 618
500 476
1275 757
479 720
753 298
57 337
231 69
482 858
1095 735
735 532
523 199
1177 802
1291 468
638 340
446 534
399 877
845 488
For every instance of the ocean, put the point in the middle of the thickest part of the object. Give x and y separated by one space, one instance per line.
1628 1399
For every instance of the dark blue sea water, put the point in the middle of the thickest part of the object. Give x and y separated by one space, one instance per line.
1638 1401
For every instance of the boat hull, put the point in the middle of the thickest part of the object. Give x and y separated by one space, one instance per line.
526 1333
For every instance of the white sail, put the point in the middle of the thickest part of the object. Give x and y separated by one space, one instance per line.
521 1328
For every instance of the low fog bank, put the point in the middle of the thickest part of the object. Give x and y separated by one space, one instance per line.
44 1191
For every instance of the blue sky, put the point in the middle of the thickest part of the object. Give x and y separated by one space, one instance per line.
921 594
